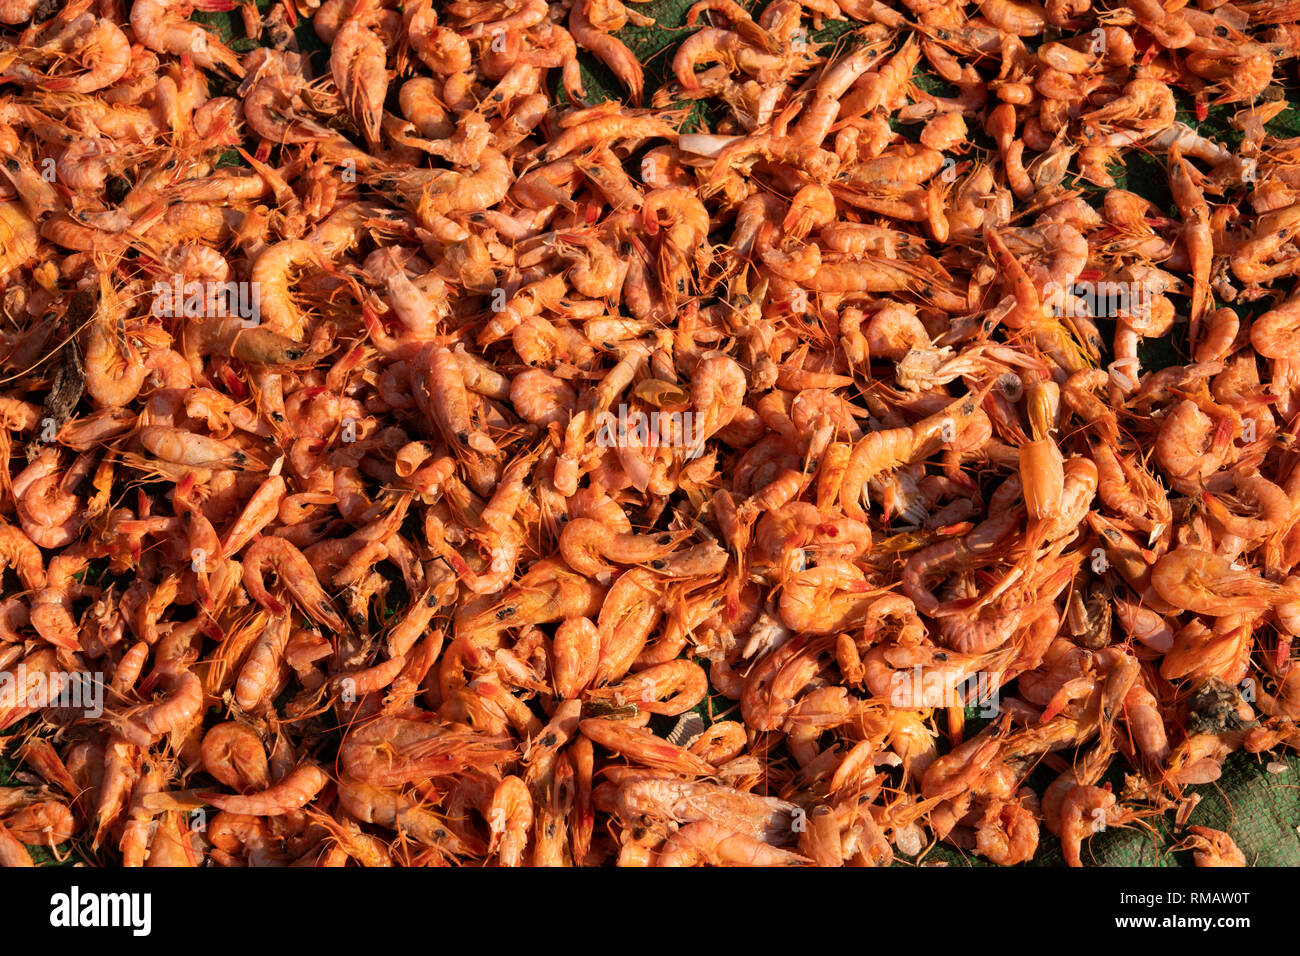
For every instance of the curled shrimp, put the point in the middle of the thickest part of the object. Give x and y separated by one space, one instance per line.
292 793
1207 583
162 25
707 841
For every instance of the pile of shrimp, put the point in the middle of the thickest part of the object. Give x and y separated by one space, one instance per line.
430 464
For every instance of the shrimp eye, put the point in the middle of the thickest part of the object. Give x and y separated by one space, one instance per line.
548 740
294 354
665 539
941 656
658 564
504 613
277 417
463 438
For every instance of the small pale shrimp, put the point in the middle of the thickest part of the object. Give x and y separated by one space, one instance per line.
669 689
825 598
819 116
718 389
235 756
961 769
510 817
418 99
1145 626
576 653
37 194
584 541
391 809
389 751
1142 714
1212 848
1007 833
709 842
818 164
894 330
272 274
17 551
944 132
1220 334
295 573
443 50
1190 200
480 190
115 370
1198 759
720 742
707 45
812 207
1254 493
1206 583
1272 231
452 411
541 398
419 308
292 793
357 64
182 706
161 25
1020 19
523 16
50 515
646 801
1276 333
466 145
595 272
1191 446
259 511
183 447
625 622
644 747
261 667
887 449
771 689
44 823
610 50
106 50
